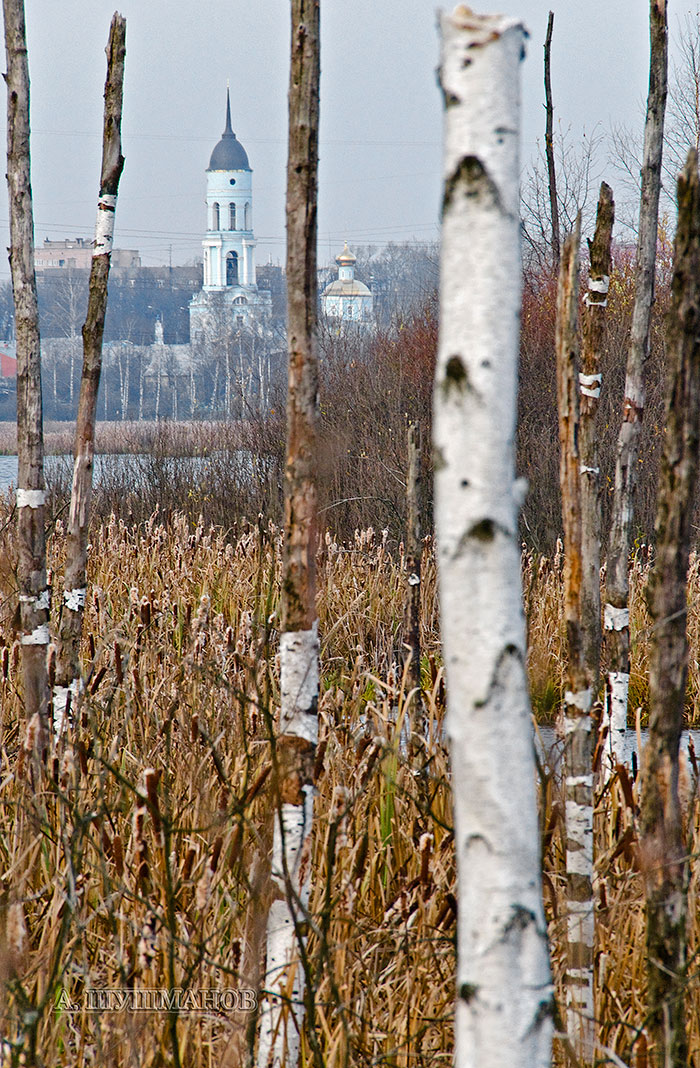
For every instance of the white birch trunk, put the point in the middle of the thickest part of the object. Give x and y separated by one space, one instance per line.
504 993
617 744
125 400
68 680
295 745
291 854
30 538
580 673
617 633
158 388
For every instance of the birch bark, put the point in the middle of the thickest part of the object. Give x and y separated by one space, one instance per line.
503 980
578 695
663 849
595 304
68 677
617 584
295 746
413 576
31 544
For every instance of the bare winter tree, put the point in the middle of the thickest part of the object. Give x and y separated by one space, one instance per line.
68 678
617 607
663 848
576 166
31 544
549 145
295 744
503 980
64 315
682 123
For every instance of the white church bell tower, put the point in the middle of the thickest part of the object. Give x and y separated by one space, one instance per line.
229 245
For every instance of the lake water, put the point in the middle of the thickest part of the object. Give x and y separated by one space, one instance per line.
111 465
54 465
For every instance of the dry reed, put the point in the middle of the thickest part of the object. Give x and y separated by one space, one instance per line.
140 861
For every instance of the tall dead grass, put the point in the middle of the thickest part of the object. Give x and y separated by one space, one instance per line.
140 860
543 595
184 438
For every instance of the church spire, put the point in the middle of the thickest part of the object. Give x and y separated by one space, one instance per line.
228 132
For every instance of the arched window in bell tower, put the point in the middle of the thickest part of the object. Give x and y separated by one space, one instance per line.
232 269
232 217
215 216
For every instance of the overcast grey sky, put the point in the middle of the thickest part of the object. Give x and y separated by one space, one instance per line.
380 110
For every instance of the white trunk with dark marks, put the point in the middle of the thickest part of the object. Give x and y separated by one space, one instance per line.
31 544
68 682
287 1010
578 770
291 852
663 843
503 1013
617 631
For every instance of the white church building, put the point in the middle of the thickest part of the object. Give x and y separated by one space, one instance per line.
347 299
229 299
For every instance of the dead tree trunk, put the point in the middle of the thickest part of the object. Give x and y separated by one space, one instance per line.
617 606
413 562
549 147
663 850
503 984
578 694
594 311
295 745
68 679
31 543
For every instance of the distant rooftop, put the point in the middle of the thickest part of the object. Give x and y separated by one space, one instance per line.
76 253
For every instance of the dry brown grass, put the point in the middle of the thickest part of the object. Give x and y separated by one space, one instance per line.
116 877
184 438
620 951
113 876
543 595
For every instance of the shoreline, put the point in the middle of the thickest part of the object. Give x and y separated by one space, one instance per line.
184 437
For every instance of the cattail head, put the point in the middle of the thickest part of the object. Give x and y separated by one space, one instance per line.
16 930
118 669
216 853
188 864
236 955
151 778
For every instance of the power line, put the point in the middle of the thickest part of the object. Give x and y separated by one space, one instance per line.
188 138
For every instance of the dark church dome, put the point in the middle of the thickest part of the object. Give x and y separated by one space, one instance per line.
229 154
